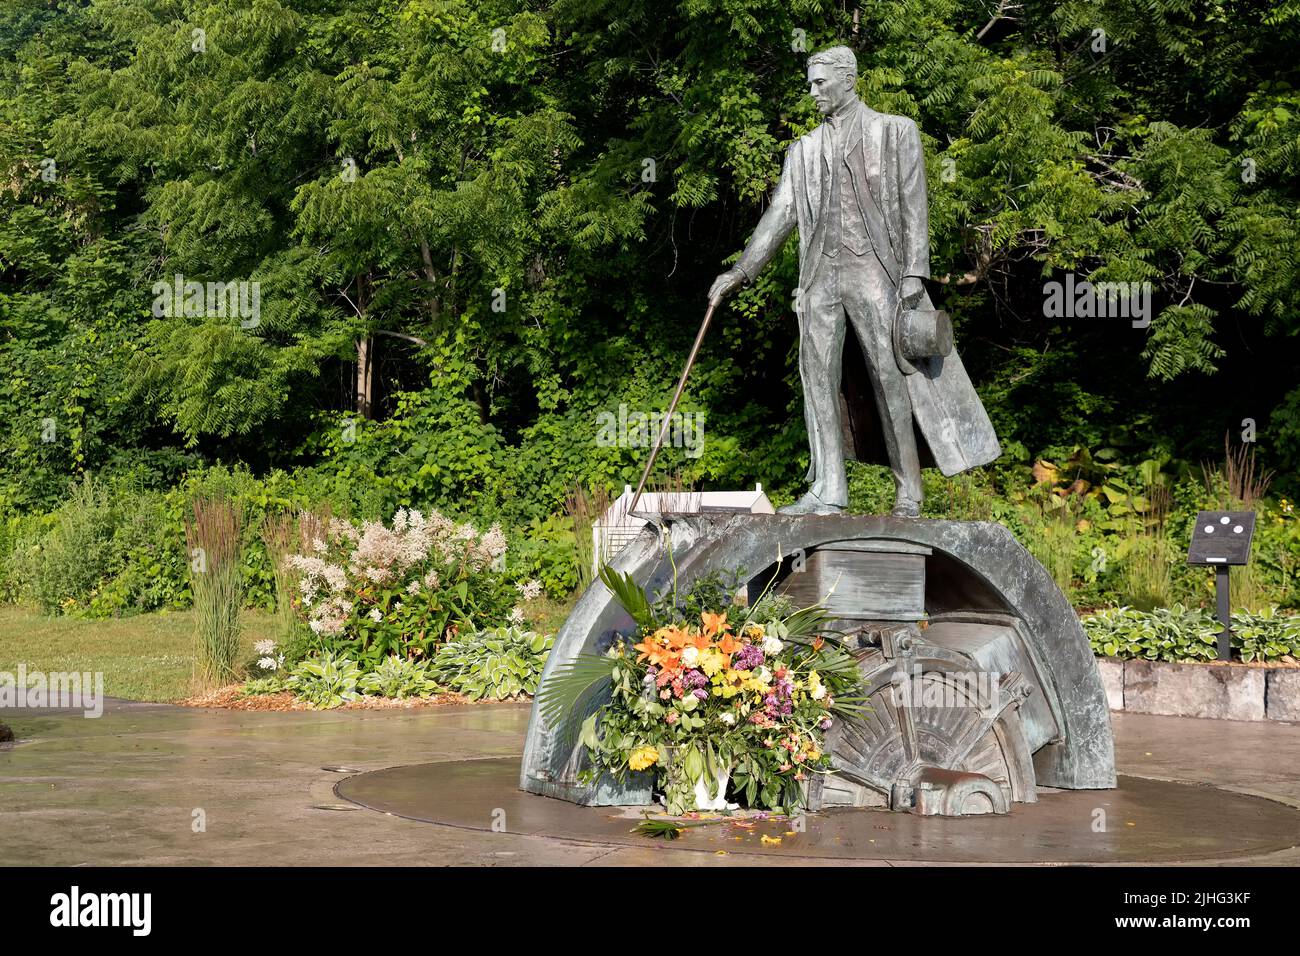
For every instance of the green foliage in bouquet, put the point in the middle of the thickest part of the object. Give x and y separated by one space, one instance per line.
498 664
707 688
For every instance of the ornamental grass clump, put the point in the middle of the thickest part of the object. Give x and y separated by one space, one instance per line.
280 537
212 533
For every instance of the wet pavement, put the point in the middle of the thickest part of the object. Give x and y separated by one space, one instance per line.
155 784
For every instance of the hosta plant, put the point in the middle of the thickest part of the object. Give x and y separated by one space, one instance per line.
1179 633
498 664
398 677
325 681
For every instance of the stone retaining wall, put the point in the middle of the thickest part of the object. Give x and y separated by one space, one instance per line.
1224 691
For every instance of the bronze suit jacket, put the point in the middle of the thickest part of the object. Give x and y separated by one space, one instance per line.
887 163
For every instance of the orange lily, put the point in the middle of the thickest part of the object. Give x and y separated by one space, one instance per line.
650 649
677 639
714 623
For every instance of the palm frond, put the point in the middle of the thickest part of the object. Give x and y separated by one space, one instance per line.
567 692
837 663
659 829
629 595
807 621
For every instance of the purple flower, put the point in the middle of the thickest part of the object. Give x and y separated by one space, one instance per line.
748 657
693 679
701 693
825 724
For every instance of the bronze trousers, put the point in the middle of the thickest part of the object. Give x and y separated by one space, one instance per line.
857 287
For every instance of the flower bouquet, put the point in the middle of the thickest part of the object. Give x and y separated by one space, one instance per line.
712 697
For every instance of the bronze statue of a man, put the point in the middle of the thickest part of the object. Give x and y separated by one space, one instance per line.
855 189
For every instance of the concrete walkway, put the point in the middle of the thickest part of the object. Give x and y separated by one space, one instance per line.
162 785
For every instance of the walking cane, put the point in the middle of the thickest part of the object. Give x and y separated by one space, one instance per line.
672 407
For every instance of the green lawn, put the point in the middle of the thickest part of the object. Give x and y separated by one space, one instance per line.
146 657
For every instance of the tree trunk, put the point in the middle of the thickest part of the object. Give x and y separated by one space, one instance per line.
365 378
431 276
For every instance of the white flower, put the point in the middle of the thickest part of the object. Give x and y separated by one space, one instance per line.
413 587
265 648
819 692
516 615
772 646
375 615
728 718
691 657
764 675
529 590
267 664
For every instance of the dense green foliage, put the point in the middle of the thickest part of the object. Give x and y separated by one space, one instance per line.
513 161
517 206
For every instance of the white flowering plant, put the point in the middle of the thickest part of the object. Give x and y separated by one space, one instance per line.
372 591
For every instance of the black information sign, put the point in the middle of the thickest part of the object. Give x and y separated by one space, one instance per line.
1220 540
1221 537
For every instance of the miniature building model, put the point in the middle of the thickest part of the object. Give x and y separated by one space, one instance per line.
615 529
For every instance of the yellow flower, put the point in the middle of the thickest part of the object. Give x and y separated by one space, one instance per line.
643 757
712 661
730 683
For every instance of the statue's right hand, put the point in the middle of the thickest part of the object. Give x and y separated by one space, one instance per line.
725 284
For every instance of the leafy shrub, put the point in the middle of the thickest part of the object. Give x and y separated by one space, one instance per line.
373 591
63 563
547 553
1179 633
398 677
499 664
326 681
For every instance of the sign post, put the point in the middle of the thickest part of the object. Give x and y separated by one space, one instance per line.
1220 540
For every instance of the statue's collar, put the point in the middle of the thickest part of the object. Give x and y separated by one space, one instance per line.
852 116
844 113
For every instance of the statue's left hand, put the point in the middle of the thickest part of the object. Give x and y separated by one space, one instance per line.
911 292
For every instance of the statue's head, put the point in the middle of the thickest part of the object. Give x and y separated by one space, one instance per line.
832 77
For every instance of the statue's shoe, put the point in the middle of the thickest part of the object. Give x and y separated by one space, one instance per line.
906 509
810 504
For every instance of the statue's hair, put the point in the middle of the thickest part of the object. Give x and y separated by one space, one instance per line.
838 58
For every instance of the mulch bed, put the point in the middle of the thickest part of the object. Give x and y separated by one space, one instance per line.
231 698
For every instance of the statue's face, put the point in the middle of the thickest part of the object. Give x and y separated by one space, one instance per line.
828 87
